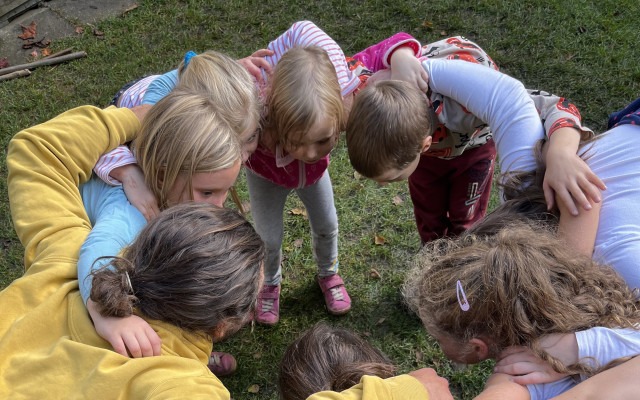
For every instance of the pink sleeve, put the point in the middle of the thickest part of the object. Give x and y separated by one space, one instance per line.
306 33
378 56
118 157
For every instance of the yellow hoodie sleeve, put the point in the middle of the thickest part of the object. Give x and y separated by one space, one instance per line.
403 387
46 164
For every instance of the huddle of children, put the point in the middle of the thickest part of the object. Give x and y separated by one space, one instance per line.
504 289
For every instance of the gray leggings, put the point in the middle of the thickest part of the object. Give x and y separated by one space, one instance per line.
267 208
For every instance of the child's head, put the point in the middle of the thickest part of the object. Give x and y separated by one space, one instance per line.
389 126
196 266
305 108
230 87
326 358
187 151
484 292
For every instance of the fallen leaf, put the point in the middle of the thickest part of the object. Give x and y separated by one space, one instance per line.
253 388
4 63
374 274
428 24
357 175
443 33
299 211
257 355
419 356
41 44
46 51
133 7
381 320
297 243
79 30
28 32
98 33
34 53
397 200
379 240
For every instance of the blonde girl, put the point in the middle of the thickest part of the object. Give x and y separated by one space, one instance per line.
489 291
187 152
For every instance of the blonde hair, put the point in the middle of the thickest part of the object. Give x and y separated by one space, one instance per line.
304 89
520 284
183 133
228 85
387 125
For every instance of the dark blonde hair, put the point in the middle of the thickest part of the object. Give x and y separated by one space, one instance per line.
227 83
327 358
520 285
304 89
387 125
183 133
194 266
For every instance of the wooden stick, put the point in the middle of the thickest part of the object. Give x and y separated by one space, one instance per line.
40 63
16 74
58 54
236 199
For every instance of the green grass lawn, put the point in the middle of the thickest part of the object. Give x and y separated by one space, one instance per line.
583 50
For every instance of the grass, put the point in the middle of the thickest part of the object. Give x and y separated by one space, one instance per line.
583 50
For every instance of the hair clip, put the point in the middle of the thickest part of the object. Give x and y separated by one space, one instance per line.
126 273
464 304
188 56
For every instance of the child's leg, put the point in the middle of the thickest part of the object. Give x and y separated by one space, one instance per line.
471 187
318 200
429 188
267 206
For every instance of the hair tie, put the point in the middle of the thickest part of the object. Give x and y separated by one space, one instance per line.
464 303
126 273
188 57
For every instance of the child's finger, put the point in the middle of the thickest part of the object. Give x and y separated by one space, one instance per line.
132 345
154 339
549 196
566 199
579 197
118 346
262 53
145 346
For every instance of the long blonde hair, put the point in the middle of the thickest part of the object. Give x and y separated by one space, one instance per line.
183 133
304 89
520 285
228 85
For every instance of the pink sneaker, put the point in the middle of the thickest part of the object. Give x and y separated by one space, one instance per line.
268 310
222 364
335 294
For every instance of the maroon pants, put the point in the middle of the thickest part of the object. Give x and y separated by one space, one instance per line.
450 195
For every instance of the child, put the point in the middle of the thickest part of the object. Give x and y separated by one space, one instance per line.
327 358
187 153
486 292
49 347
444 148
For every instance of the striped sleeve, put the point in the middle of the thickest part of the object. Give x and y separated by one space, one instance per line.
133 96
118 157
306 33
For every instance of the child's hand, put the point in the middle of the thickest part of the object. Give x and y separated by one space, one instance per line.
525 367
136 190
130 333
254 62
568 177
406 67
437 386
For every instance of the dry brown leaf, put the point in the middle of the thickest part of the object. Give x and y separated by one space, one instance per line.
428 24
297 243
299 211
4 63
374 274
257 355
397 200
46 52
379 240
98 33
253 388
28 32
79 30
443 33
133 7
357 175
34 53
419 356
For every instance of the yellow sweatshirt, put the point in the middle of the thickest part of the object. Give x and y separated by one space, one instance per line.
48 346
403 387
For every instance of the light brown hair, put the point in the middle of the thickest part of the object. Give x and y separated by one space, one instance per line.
387 126
194 266
183 133
520 285
304 89
328 358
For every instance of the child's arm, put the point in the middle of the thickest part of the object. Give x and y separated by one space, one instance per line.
255 63
380 56
136 190
306 33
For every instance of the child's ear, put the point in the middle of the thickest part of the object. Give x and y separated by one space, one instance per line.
426 143
480 348
160 178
